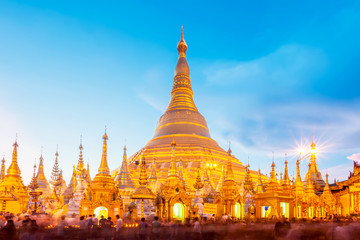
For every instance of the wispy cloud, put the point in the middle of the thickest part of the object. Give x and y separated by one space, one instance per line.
354 157
291 65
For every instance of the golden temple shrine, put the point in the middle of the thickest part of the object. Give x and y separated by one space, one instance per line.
181 173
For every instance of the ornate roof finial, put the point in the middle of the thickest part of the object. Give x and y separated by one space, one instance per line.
14 169
182 66
229 172
104 168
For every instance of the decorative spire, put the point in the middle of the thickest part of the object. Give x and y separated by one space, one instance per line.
104 169
182 66
14 170
327 186
34 183
2 173
40 173
56 174
124 176
88 177
286 174
143 179
298 176
309 185
153 174
248 183
181 173
80 168
173 172
273 173
229 172
260 185
221 180
198 183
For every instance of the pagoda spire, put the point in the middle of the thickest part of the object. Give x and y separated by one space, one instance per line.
34 183
88 177
124 176
40 174
153 174
248 183
221 180
104 168
2 172
299 186
298 176
14 170
286 180
143 178
181 173
327 186
56 174
260 185
309 185
229 172
80 165
173 172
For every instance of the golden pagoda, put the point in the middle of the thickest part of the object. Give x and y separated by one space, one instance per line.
143 192
231 202
313 171
277 200
183 122
173 203
102 196
13 194
43 185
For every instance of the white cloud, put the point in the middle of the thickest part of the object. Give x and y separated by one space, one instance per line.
354 157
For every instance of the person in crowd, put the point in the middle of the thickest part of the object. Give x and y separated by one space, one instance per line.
9 230
118 228
282 228
155 230
197 229
143 229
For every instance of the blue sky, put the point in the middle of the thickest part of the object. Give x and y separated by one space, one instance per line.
265 75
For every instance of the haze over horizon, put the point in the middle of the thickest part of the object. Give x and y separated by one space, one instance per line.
265 76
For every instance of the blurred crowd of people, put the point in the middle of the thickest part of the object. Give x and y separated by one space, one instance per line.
43 227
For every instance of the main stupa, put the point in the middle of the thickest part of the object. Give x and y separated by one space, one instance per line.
183 123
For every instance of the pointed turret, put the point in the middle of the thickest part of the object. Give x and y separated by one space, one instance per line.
309 186
88 177
80 167
34 184
2 173
229 172
14 170
208 187
143 176
299 187
173 171
153 174
260 185
221 179
198 183
273 183
327 186
124 177
181 173
286 180
56 180
104 168
248 183
41 179
313 171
